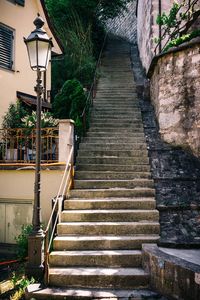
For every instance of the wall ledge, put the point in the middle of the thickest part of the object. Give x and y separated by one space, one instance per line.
182 47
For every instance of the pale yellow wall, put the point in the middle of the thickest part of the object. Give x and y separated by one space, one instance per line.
22 78
18 186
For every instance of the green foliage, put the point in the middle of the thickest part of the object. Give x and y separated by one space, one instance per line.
80 25
169 20
12 119
182 39
176 24
22 241
47 120
20 283
70 102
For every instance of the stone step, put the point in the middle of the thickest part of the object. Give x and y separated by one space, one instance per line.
108 228
113 160
128 242
117 123
107 105
36 292
116 145
112 146
110 175
136 121
111 215
112 153
110 184
125 131
128 113
112 139
126 278
107 203
114 193
115 98
113 168
96 258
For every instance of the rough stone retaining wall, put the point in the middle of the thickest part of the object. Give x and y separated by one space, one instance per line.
176 174
175 85
125 25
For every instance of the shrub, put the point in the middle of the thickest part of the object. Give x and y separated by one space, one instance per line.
70 103
22 241
12 119
47 120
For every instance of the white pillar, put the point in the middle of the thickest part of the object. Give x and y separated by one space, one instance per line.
66 139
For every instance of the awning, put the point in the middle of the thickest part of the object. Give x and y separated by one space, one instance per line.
32 100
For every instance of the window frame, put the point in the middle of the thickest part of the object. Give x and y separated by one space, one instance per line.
12 49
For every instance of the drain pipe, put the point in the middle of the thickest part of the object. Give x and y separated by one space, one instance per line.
160 29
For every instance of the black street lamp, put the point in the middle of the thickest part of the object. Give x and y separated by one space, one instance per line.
39 51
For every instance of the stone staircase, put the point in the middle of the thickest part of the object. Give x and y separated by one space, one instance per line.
111 210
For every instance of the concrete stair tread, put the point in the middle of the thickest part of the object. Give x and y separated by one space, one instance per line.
96 200
108 223
96 252
106 237
110 211
84 271
114 189
115 180
37 292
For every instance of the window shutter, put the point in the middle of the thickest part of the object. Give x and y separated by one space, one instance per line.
20 2
6 47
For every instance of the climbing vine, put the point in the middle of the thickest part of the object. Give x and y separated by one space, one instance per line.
176 26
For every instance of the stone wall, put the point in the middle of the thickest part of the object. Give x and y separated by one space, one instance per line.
125 25
147 28
176 173
175 85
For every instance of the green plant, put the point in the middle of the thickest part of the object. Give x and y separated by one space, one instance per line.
180 40
70 103
47 120
22 241
14 115
175 26
20 283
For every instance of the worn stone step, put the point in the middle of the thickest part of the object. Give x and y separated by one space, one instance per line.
136 122
128 242
96 258
36 292
126 278
114 193
108 105
110 175
114 168
128 113
112 153
109 184
125 131
112 139
113 160
116 127
111 146
108 228
108 203
111 215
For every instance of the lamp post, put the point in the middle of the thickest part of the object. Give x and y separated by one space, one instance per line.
39 51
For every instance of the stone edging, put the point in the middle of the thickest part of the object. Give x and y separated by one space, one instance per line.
184 46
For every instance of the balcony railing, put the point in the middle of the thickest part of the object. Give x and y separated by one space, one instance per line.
18 145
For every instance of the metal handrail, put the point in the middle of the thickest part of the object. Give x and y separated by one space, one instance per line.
65 185
92 91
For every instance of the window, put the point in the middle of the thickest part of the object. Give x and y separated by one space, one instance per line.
20 2
6 47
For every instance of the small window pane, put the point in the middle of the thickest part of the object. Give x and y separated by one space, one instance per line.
6 47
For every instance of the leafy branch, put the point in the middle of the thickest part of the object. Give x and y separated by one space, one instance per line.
177 23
